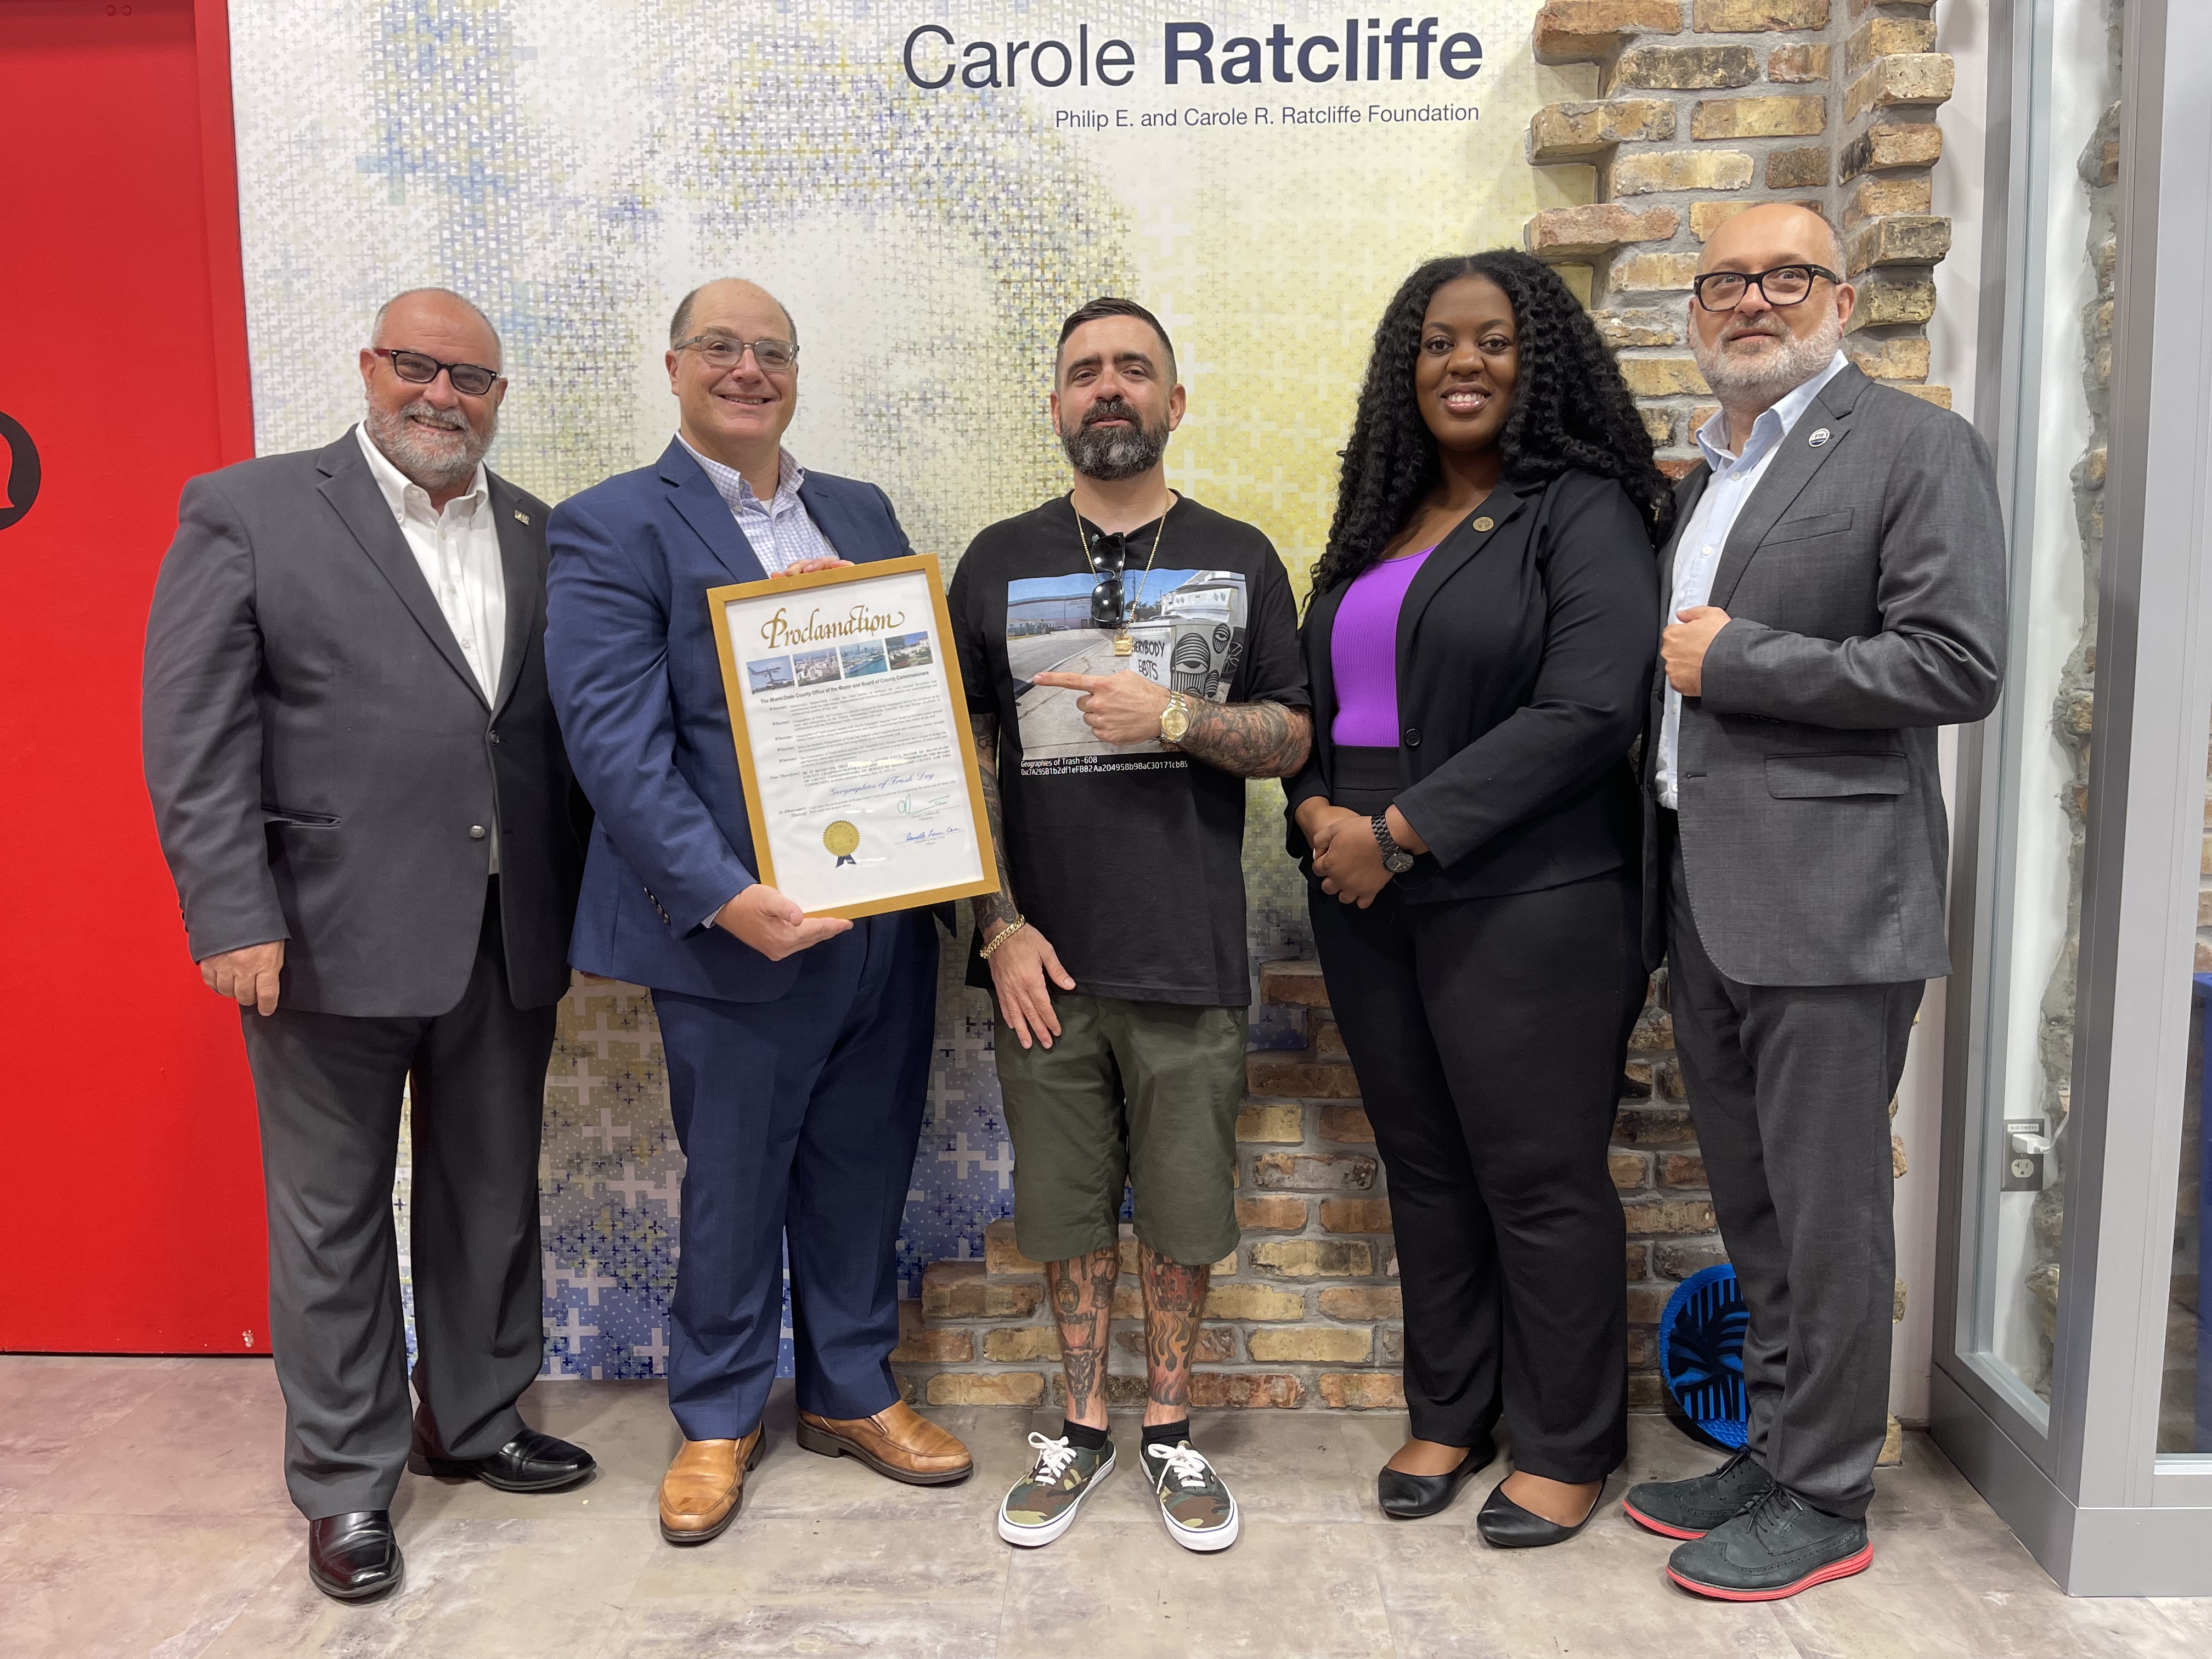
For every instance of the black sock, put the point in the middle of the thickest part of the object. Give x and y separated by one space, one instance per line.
1166 1434
1089 1439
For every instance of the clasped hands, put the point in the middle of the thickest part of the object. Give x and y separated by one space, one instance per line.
1119 708
1347 859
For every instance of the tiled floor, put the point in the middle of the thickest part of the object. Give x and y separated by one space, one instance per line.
142 1512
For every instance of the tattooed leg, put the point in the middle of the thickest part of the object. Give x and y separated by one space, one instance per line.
1082 1307
1175 1306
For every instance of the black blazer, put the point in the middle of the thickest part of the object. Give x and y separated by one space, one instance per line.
1525 654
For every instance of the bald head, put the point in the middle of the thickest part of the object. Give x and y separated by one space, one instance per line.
1758 346
732 293
408 318
1788 233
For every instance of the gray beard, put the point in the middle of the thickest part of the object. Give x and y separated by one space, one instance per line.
1110 454
1774 376
423 461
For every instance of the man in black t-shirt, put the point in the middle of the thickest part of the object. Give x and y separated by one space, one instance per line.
1131 657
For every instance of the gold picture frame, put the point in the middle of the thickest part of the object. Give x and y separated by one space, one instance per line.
841 838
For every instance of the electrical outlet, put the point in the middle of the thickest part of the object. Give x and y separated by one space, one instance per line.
2025 1143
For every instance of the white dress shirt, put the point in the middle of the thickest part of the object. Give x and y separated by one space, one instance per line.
780 530
1704 538
457 550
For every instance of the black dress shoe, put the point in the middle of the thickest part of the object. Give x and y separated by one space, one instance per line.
1507 1525
530 1463
1781 1545
1409 1496
353 1557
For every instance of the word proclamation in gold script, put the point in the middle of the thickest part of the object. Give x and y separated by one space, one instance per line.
852 735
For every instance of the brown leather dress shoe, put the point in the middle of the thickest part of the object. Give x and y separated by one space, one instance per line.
897 1441
701 1493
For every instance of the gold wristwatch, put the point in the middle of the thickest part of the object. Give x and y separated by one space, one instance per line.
1174 718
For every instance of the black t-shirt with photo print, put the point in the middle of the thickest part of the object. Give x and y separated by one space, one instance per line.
1127 858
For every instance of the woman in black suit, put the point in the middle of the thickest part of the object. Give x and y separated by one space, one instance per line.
1479 646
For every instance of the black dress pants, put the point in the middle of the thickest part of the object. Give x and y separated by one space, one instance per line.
328 1087
1488 1035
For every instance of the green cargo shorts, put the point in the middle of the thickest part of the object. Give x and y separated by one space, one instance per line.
1144 1093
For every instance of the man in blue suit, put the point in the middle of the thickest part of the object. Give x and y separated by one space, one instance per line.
798 1048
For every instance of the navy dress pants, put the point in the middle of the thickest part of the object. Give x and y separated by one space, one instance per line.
798 1118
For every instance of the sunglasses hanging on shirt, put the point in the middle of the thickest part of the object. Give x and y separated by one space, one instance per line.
1108 557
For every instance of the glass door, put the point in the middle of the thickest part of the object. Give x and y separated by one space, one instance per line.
2052 441
2073 1380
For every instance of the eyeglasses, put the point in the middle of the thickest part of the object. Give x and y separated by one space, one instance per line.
1784 285
420 368
1109 557
724 352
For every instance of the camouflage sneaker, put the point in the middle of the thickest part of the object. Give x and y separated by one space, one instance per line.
1043 1502
1200 1513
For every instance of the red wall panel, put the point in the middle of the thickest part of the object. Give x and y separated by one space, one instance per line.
134 1220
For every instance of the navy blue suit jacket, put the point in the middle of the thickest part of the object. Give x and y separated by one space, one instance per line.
637 681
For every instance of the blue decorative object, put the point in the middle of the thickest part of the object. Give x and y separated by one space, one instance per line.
1701 1353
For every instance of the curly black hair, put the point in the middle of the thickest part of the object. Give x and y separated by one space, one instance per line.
1570 410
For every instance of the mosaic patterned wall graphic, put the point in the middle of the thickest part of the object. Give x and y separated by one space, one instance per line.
575 164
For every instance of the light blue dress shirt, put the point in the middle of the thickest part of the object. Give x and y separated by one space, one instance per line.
1698 553
780 529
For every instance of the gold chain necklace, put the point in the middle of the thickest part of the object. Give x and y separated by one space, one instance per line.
1123 645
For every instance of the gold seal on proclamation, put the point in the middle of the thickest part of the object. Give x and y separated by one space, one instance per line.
842 839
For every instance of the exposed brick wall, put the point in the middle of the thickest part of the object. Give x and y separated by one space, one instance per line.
1699 111
1306 1312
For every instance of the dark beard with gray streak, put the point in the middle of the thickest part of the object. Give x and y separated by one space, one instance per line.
1115 453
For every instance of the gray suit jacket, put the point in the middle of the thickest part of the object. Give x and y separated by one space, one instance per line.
317 751
1864 581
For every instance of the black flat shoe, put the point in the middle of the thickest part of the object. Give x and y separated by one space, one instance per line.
531 1463
1409 1496
1506 1524
353 1557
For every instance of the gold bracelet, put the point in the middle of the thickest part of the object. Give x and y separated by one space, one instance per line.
1011 929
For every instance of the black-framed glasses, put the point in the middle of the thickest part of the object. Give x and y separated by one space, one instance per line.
1109 557
1784 285
420 368
724 352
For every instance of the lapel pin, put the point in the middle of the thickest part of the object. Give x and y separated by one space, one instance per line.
520 516
1484 524
1819 438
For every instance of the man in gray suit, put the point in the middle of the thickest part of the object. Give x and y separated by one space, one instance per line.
362 792
1835 592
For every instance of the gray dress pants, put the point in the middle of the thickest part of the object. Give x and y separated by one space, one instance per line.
328 1087
1789 1088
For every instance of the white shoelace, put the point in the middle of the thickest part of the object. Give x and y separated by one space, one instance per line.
1053 1458
1186 1462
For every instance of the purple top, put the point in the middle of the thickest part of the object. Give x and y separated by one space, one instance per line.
1363 653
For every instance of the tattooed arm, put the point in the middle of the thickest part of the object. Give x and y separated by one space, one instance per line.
993 910
1250 740
1020 966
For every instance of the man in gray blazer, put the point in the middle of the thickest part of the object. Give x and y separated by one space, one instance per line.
362 792
1835 591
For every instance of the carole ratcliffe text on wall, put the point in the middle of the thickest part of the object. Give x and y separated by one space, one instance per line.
1410 49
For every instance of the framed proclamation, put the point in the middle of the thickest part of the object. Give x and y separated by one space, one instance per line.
853 738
